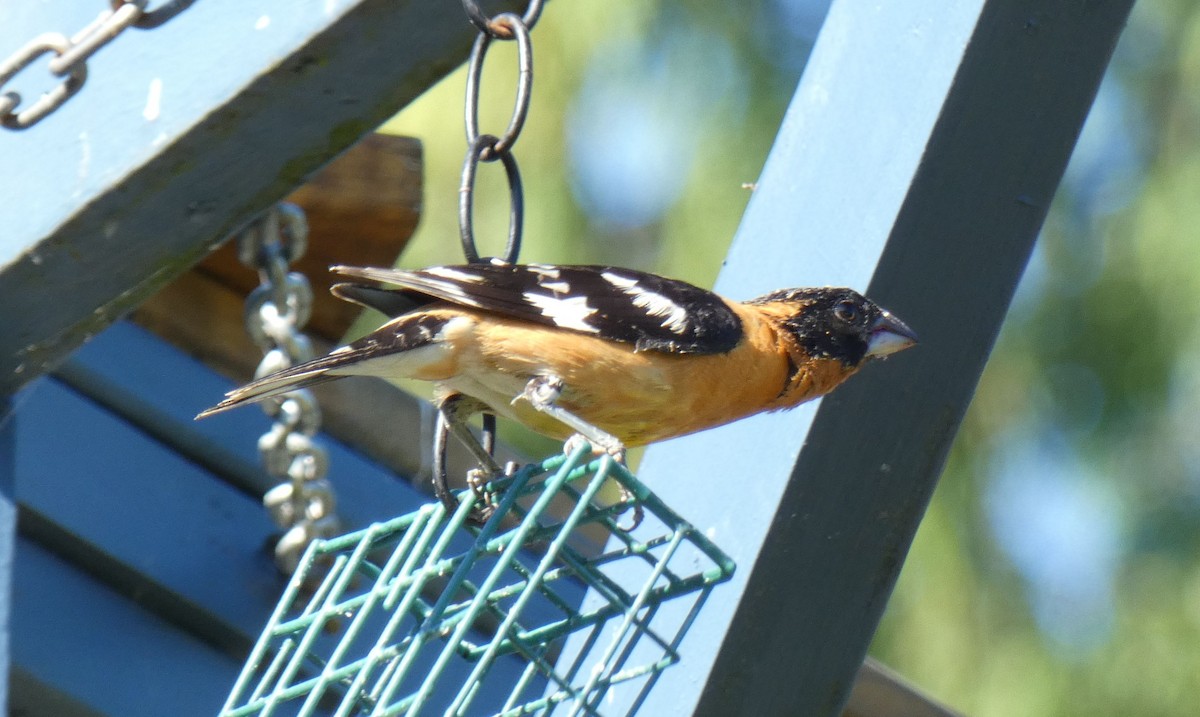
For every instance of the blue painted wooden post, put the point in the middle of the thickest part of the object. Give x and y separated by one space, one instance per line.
918 160
8 539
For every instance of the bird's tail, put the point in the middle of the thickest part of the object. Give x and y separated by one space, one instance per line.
309 373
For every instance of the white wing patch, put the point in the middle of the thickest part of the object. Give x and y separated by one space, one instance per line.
449 272
569 313
545 270
674 317
558 287
621 282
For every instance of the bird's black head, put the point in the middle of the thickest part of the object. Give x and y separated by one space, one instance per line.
841 324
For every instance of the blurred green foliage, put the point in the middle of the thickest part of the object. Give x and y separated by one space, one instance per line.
1057 571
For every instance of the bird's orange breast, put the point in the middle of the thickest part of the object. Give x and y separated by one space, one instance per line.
638 396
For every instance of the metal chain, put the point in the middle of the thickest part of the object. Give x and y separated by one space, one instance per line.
303 503
71 56
490 148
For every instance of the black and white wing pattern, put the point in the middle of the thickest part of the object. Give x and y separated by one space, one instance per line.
651 312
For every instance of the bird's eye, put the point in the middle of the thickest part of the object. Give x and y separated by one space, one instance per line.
846 311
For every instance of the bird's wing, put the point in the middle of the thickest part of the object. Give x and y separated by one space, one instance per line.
648 311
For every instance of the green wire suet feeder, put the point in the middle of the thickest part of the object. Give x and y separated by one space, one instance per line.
524 615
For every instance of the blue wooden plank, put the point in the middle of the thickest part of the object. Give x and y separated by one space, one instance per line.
103 651
182 134
124 505
103 486
131 495
161 389
918 159
8 534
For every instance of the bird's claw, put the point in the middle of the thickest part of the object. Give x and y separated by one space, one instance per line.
613 448
617 450
486 500
639 513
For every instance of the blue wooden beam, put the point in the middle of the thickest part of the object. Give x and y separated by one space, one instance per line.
8 538
181 134
918 160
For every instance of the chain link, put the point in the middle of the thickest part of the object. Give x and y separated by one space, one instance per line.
151 19
276 311
524 85
487 26
488 147
50 101
483 147
71 55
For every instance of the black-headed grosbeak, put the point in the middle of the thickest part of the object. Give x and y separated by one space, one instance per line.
621 357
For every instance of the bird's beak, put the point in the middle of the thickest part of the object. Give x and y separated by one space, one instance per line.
889 335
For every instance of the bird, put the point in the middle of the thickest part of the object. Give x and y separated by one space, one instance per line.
620 357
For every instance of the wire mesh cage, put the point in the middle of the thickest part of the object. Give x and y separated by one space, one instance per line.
534 612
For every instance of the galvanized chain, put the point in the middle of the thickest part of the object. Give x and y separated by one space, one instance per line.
490 148
69 63
303 503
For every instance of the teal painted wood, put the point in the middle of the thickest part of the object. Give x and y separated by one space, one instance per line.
918 160
109 198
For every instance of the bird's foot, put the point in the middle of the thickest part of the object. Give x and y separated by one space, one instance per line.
630 502
487 500
617 450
